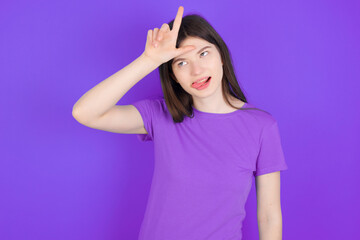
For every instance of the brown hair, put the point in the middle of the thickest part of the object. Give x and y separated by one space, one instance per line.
178 101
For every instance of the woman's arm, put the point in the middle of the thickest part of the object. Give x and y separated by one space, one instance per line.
160 47
268 206
107 93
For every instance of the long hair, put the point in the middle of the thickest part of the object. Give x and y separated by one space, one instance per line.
178 101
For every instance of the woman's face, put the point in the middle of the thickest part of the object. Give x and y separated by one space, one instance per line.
202 62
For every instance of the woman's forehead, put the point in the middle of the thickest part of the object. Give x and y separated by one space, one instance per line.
194 41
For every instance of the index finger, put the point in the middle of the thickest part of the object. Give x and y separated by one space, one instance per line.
178 18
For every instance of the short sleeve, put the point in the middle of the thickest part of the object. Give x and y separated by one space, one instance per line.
271 157
148 109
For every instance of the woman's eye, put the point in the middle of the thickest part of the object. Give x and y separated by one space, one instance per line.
204 52
179 64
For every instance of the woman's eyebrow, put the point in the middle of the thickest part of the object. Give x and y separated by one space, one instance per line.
178 59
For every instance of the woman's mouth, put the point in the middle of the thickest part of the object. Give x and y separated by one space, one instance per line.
201 84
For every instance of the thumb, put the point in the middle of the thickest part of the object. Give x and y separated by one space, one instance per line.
185 49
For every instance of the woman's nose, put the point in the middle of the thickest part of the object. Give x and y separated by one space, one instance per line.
196 68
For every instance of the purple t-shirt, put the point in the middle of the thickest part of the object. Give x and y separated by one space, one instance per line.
204 168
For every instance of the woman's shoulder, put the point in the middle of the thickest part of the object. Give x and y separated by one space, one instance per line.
158 104
259 114
152 104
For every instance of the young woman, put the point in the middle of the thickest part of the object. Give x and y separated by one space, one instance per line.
209 141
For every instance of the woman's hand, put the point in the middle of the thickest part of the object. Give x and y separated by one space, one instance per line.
161 44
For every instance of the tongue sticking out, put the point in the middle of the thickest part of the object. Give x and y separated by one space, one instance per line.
198 84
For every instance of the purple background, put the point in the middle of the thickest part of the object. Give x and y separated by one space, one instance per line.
299 60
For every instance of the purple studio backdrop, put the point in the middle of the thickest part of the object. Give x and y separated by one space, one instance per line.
299 60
